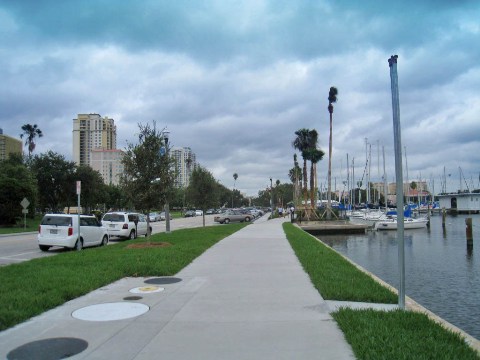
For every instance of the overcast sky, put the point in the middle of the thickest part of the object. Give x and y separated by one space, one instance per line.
234 80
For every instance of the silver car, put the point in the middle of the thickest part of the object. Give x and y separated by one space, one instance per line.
233 215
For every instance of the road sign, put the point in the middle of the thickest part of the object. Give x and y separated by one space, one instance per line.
79 187
25 203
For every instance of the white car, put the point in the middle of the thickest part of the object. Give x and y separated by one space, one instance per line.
198 212
125 224
62 230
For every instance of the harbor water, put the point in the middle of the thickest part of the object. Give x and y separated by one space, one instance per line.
442 273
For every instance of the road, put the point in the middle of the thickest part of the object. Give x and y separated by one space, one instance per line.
24 247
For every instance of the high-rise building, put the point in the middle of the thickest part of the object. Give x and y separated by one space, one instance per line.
108 163
185 163
9 145
90 132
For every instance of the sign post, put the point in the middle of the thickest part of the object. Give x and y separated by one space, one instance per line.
25 204
79 190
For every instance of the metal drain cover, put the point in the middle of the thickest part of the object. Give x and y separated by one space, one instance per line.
163 280
146 289
48 349
110 311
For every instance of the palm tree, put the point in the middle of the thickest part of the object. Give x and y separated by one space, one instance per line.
314 155
31 132
332 98
235 177
302 143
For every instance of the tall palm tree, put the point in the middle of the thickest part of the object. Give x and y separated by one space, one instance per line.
235 177
332 98
302 143
31 132
314 156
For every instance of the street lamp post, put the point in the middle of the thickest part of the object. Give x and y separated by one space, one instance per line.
271 196
166 135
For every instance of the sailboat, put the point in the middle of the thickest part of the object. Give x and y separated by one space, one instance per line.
408 223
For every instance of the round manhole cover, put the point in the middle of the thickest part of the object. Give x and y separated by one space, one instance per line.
133 298
48 349
146 289
163 280
110 311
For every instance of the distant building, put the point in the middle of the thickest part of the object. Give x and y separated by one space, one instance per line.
90 132
9 145
185 163
461 202
108 163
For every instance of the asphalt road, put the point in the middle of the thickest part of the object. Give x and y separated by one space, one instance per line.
24 247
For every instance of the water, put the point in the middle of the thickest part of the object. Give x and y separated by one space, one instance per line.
441 273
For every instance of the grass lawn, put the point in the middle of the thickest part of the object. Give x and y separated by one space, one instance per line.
30 288
32 225
373 334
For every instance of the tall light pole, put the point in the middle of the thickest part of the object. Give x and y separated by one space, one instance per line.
271 195
166 135
392 62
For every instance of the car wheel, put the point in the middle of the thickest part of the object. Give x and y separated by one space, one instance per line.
132 235
104 241
226 221
44 247
247 219
78 245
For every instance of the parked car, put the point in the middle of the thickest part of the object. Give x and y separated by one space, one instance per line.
154 216
127 225
62 230
162 216
210 212
198 212
232 215
190 213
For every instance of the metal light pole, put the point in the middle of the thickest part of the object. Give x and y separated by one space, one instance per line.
271 195
392 62
166 135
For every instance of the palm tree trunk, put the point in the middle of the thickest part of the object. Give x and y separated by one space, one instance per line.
305 177
329 195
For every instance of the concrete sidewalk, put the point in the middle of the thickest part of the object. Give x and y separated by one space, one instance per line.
247 297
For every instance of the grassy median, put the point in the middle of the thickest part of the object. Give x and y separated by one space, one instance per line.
373 334
30 288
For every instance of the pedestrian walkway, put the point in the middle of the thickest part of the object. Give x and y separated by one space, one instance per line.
247 297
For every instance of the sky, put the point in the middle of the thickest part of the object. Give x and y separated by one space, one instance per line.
234 80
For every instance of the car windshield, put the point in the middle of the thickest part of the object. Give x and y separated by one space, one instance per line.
57 220
113 217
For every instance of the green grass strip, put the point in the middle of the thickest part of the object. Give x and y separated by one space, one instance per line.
399 335
30 288
334 277
373 334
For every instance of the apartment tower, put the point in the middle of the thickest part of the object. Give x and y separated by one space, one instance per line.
185 163
92 132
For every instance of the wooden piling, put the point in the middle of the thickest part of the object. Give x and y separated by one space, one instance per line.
444 214
469 231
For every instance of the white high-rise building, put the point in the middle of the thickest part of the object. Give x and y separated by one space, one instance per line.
185 163
90 132
108 163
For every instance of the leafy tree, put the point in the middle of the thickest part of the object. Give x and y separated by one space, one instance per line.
332 98
56 181
93 188
16 183
148 175
202 190
30 132
115 198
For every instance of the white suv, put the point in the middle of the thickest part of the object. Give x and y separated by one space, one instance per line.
62 230
125 224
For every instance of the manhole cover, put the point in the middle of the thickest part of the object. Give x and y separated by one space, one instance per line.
163 280
146 290
132 298
110 311
48 349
